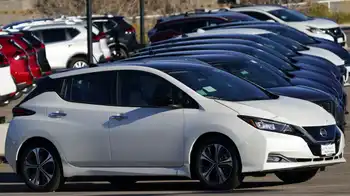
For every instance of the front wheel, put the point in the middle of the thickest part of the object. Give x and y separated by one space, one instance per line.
78 62
216 164
40 168
292 177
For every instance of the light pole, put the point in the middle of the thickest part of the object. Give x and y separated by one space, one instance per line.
89 30
142 21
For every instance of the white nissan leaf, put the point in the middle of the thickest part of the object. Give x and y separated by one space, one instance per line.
176 118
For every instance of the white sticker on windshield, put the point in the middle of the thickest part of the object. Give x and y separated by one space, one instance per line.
244 72
201 92
209 89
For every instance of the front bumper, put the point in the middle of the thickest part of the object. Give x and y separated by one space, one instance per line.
297 152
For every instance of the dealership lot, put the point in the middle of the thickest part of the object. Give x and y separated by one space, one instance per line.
333 181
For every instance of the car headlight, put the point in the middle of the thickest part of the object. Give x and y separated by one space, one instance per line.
316 30
268 125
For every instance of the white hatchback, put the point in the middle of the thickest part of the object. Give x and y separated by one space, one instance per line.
176 118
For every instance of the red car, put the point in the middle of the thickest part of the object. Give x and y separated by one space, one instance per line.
31 53
18 61
39 47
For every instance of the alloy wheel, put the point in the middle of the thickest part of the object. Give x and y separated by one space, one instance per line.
216 164
80 64
39 167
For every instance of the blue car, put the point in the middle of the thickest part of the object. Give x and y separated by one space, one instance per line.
266 76
262 56
295 80
261 52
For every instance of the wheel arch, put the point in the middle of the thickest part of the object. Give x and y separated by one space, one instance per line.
40 140
202 138
77 55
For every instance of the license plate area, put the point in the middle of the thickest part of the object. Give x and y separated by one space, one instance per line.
328 149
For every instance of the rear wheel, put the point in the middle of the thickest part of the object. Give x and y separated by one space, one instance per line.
216 164
291 177
120 53
41 168
78 62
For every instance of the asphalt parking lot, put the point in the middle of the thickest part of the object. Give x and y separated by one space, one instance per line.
334 181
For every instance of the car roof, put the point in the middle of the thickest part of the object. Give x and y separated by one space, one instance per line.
242 23
251 31
25 21
265 8
144 65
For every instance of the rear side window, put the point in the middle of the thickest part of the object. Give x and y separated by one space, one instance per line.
72 33
54 35
93 88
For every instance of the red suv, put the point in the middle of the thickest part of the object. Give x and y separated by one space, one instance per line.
39 47
18 61
31 53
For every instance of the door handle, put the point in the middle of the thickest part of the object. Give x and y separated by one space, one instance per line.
118 117
57 114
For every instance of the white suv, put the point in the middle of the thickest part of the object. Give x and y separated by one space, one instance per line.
316 27
66 43
166 118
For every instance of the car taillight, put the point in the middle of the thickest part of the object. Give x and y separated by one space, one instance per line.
18 111
20 55
130 30
98 37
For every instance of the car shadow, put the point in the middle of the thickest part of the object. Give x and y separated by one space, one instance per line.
10 183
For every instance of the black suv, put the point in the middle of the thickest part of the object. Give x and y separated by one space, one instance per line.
168 27
121 35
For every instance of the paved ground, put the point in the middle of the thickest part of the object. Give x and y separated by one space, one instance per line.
334 181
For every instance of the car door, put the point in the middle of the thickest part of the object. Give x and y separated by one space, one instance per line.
145 130
81 119
8 85
57 48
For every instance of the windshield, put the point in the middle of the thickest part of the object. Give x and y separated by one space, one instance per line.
288 15
217 84
293 34
254 71
284 41
276 46
270 59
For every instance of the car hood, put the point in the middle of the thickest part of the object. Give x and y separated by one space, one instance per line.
284 109
301 92
320 23
320 52
338 50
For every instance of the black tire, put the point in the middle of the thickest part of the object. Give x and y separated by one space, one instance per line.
292 177
17 96
56 170
121 54
74 60
233 174
4 103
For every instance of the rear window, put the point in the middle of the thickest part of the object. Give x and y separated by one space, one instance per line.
32 39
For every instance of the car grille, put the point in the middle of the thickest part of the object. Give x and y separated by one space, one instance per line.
315 132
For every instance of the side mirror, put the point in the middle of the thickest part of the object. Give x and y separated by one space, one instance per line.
270 20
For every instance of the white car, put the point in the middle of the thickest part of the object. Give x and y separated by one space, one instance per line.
176 118
8 85
316 27
66 43
309 50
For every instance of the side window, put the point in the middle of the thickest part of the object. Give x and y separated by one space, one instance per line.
189 26
110 24
99 25
72 33
258 15
54 35
142 89
38 35
93 88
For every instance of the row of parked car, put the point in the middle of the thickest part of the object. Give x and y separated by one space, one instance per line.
31 49
216 104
